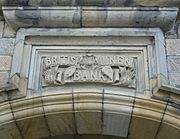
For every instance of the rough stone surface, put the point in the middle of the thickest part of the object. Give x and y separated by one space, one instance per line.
173 46
173 60
4 77
6 46
174 63
5 62
175 79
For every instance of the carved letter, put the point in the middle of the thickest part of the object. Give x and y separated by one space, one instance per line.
93 75
72 60
84 75
54 60
77 76
47 61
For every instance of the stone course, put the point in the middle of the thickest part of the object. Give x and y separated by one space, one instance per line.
4 76
6 46
7 39
5 62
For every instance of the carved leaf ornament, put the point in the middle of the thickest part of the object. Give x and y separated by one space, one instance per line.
107 70
69 72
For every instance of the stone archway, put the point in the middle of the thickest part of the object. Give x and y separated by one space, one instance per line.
92 113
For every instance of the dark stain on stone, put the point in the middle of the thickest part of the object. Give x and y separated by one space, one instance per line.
28 17
106 15
92 2
76 18
48 3
65 2
144 8
23 2
9 2
128 2
144 18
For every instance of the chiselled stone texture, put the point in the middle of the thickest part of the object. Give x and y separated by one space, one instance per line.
173 46
4 77
5 62
175 78
173 59
6 46
174 63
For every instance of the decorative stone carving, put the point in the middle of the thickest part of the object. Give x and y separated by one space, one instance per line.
112 69
35 47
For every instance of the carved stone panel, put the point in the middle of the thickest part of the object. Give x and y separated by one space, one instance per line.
121 60
117 69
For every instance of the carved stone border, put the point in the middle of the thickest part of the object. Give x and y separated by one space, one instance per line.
157 78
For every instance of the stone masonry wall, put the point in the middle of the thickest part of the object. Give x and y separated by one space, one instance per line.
173 56
7 40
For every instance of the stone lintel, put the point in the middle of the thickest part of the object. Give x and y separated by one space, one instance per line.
73 17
